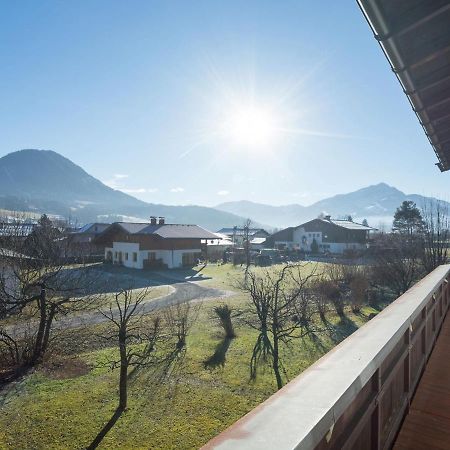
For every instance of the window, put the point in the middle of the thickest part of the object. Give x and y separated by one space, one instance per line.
126 256
151 256
134 256
115 255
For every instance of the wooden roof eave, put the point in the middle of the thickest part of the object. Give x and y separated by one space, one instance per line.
388 42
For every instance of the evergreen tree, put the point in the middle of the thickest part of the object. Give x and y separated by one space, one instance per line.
408 219
365 223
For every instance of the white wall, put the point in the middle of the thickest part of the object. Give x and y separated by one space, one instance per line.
130 248
332 247
305 244
173 258
342 247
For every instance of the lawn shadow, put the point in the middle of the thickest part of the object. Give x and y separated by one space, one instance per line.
344 328
108 278
317 341
218 358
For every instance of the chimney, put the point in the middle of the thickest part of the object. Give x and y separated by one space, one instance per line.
152 220
328 218
161 221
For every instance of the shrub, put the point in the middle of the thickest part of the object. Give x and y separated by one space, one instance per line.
223 312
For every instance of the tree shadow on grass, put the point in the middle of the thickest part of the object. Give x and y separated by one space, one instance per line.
317 342
218 358
106 428
344 328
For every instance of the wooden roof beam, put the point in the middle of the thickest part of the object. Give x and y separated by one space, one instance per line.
415 25
424 60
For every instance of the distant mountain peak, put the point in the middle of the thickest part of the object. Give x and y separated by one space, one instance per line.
383 186
378 201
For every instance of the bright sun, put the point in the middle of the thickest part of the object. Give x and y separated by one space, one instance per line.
250 126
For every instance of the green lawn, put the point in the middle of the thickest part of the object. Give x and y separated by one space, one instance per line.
225 276
64 409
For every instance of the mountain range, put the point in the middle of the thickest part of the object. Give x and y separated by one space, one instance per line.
375 203
43 181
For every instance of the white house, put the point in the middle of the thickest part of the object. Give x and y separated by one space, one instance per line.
154 244
327 235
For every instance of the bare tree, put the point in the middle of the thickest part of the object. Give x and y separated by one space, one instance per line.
435 235
331 287
320 298
396 261
37 284
246 242
358 286
137 340
136 345
280 311
179 319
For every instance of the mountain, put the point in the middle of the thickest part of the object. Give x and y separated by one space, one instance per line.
45 174
375 203
44 181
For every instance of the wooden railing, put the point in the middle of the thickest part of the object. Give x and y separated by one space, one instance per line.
356 396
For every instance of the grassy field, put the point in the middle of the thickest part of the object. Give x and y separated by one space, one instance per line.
65 402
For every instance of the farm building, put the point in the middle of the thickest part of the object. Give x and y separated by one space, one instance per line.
327 235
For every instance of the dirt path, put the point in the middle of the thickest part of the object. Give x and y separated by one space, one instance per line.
182 292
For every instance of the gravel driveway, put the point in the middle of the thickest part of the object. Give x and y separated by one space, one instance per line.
183 291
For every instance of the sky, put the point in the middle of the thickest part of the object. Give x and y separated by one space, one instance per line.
202 102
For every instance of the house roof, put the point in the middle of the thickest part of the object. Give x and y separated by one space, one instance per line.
16 229
283 235
221 239
258 241
350 225
11 254
241 231
167 231
415 38
91 228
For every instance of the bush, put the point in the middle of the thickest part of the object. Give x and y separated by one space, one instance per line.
223 312
330 291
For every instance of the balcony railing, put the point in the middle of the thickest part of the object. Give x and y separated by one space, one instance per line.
355 396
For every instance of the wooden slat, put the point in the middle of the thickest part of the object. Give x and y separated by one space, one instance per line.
427 425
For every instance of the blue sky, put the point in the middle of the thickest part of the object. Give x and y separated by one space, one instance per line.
137 93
